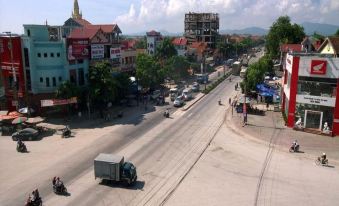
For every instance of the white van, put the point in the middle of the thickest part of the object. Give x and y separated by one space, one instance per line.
173 93
187 93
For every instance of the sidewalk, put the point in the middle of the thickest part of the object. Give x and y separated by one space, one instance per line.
262 128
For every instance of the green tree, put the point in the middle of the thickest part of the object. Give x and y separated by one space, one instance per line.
148 71
141 44
103 87
67 90
165 50
177 67
337 33
283 32
123 84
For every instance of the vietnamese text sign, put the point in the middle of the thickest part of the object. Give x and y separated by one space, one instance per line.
77 49
97 51
54 102
316 100
115 53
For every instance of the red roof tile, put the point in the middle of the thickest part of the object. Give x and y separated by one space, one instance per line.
179 41
107 28
83 33
153 33
291 47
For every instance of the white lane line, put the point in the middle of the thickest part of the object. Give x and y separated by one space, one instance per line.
190 115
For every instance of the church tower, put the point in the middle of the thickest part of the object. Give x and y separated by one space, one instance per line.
76 14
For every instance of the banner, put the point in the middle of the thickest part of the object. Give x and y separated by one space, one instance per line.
97 51
54 102
115 53
78 49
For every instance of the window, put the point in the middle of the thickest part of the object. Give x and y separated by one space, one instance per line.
28 32
52 54
54 82
58 54
39 54
28 79
81 77
41 80
80 61
26 57
60 79
45 54
47 82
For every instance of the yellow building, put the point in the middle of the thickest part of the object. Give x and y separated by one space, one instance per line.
330 46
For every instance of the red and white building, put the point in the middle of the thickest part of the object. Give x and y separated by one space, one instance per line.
311 91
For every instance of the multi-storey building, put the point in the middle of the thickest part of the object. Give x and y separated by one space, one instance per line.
153 39
202 27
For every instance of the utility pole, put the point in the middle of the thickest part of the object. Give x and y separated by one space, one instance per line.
15 98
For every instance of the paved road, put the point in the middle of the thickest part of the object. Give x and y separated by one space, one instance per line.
162 149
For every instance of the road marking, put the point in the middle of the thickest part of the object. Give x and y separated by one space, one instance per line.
190 115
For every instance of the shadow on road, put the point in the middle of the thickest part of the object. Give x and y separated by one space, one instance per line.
138 185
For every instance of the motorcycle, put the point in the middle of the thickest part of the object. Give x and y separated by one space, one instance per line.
59 189
66 133
36 202
21 148
219 102
294 148
166 114
320 161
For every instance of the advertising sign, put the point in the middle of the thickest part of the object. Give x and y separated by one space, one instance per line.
78 49
97 51
115 53
54 102
316 100
318 67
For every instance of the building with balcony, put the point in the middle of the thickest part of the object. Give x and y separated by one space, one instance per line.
180 45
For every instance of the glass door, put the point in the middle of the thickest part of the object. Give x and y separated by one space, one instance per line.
313 119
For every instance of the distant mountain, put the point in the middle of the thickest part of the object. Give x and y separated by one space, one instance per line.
163 33
323 29
249 30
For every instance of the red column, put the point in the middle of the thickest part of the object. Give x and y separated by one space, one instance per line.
335 127
293 91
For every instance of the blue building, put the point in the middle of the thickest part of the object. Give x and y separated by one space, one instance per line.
45 60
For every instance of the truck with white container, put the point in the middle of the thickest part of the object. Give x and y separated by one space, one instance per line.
113 168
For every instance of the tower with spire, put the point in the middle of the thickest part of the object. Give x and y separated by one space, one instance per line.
76 14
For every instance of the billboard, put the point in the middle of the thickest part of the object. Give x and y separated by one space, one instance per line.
78 49
54 102
115 53
97 51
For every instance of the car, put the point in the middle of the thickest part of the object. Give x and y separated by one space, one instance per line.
26 134
195 87
155 95
179 101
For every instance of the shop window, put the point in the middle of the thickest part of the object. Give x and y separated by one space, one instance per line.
47 82
52 54
58 54
39 54
54 81
45 55
41 80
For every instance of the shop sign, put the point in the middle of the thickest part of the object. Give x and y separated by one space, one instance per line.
54 102
318 67
97 51
115 53
78 49
316 100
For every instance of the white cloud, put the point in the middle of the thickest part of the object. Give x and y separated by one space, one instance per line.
169 14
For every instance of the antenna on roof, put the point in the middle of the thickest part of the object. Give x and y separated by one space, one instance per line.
46 22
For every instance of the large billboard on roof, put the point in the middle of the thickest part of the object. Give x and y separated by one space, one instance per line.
77 49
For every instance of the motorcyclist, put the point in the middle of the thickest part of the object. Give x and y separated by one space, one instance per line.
20 145
295 145
323 158
67 131
166 114
219 102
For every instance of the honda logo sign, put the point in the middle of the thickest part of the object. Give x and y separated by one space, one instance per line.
318 67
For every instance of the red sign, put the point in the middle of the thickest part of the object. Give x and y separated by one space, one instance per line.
318 67
78 49
54 102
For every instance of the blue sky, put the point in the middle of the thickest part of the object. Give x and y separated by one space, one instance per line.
142 15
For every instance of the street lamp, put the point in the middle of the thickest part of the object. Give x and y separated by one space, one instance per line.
13 69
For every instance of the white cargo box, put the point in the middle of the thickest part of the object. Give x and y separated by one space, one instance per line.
107 166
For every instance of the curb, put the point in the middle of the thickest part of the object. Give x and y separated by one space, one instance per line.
195 101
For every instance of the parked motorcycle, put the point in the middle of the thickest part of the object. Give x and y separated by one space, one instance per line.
219 102
66 132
